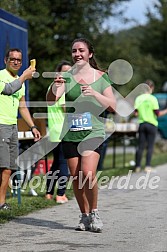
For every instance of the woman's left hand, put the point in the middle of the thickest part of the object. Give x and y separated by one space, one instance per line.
87 90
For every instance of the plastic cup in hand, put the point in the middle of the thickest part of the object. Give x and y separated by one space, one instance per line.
83 88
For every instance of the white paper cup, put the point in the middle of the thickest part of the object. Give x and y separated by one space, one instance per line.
28 134
20 134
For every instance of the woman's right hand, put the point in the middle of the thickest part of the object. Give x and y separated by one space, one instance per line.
59 81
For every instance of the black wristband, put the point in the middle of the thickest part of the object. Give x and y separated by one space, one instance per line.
33 127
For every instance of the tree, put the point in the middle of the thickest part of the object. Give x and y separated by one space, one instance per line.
154 41
52 27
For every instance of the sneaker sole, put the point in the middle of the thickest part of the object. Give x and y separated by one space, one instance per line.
80 229
98 230
6 208
61 202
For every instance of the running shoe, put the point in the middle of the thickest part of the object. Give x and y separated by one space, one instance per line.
138 169
5 206
61 199
48 196
33 192
84 223
96 223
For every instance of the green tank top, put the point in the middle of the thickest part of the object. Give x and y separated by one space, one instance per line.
82 119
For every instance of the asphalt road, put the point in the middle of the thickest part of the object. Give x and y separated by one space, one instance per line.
133 210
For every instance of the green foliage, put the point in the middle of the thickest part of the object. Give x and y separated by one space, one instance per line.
154 42
28 204
53 25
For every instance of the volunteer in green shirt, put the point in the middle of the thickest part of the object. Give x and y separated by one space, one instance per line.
59 169
12 92
147 110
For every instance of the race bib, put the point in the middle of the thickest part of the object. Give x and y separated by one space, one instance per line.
77 122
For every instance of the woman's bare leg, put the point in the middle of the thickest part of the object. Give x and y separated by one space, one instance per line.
74 166
88 166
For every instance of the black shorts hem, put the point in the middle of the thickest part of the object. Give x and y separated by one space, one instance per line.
75 149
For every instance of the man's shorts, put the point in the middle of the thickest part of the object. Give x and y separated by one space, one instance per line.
75 149
8 146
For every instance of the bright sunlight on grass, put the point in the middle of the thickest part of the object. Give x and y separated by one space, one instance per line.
31 203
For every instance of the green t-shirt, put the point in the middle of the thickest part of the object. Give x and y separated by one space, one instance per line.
145 105
56 119
9 104
81 104
2 85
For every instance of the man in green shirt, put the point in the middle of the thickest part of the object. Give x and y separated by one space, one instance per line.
12 99
147 110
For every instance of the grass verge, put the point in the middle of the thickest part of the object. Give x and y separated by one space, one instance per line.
31 203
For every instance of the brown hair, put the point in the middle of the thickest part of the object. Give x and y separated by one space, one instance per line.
12 50
61 64
150 83
92 60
